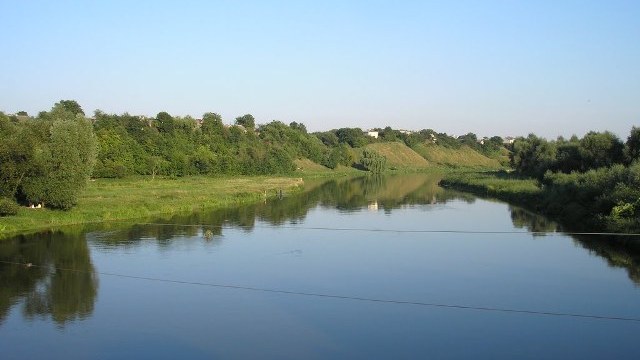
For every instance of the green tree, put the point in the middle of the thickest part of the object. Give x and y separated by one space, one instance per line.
329 138
116 157
16 155
71 106
354 137
247 121
164 122
372 161
298 126
62 163
600 150
212 124
632 146
532 155
469 139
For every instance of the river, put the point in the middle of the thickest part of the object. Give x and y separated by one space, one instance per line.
365 268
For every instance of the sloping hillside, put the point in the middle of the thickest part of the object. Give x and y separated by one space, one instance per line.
305 164
462 157
399 155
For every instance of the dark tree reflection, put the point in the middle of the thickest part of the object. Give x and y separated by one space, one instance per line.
617 251
46 289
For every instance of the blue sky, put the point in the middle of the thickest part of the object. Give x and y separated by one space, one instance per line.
489 67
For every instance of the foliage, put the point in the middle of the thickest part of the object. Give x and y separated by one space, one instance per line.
49 159
534 156
354 137
70 106
372 161
63 164
247 121
607 197
17 152
8 207
600 150
339 155
632 146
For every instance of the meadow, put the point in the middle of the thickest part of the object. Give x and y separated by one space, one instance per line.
143 197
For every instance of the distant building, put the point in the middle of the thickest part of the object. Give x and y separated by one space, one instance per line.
372 133
508 140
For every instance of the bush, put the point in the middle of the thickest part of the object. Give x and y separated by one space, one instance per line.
8 207
373 162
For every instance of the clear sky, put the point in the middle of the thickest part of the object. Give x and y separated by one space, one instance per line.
489 67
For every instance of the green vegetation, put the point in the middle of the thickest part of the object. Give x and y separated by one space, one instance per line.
399 156
462 157
117 199
592 182
8 207
498 184
47 160
373 162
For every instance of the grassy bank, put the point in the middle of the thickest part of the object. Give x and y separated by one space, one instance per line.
463 157
140 197
498 184
589 201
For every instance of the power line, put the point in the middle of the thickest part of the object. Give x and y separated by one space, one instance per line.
417 231
353 298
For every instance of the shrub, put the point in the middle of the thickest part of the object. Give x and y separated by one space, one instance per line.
8 207
373 162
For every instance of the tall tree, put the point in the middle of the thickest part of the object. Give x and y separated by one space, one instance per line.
247 121
632 147
600 150
71 106
164 122
63 161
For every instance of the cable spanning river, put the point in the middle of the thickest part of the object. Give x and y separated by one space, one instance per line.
373 267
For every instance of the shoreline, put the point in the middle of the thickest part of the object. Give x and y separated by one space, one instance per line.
106 200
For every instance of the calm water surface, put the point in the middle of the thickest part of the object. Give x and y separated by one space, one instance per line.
147 290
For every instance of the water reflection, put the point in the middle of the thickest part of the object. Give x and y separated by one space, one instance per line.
45 290
532 222
618 251
345 194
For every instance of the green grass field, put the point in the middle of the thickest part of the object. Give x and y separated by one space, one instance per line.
142 197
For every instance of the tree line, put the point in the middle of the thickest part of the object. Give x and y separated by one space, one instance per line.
47 159
594 177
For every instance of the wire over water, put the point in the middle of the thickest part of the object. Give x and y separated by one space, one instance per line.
347 297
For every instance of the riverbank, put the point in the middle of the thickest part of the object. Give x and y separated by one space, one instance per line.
581 205
143 197
499 184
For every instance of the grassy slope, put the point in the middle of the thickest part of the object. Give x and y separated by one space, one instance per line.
399 155
462 157
118 199
306 165
423 156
